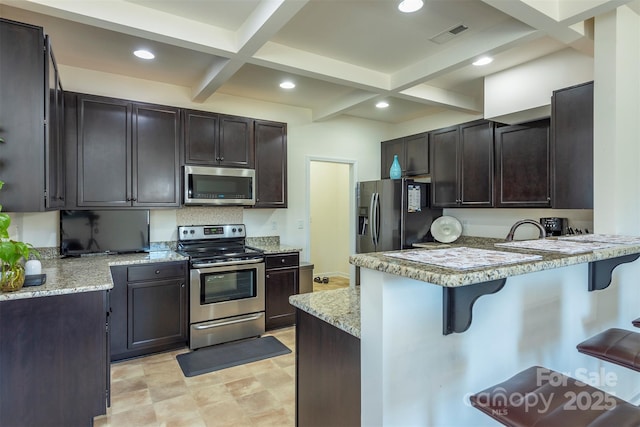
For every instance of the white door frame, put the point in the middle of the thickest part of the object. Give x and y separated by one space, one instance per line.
353 174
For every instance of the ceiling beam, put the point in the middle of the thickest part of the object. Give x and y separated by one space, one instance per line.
263 23
342 105
556 17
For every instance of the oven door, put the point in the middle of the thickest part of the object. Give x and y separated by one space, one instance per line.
226 291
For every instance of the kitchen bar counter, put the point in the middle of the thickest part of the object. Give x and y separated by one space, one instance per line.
448 277
421 356
84 274
338 307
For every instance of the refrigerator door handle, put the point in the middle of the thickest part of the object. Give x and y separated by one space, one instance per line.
372 218
377 220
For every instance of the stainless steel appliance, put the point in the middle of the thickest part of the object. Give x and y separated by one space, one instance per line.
226 284
555 226
393 214
210 185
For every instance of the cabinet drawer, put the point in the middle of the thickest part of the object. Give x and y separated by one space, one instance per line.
281 261
156 271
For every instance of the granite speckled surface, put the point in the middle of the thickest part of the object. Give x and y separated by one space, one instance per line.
450 277
84 274
339 307
270 245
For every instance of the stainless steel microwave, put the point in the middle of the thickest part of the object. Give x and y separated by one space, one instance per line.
211 185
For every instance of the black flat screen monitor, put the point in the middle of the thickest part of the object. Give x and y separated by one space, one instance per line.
104 231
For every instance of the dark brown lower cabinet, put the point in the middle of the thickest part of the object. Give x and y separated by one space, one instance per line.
327 374
281 282
148 309
54 364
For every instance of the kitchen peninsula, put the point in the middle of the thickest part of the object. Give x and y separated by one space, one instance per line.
416 372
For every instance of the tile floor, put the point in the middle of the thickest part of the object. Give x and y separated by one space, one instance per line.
335 282
152 391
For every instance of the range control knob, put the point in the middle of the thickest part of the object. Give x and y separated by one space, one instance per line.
233 230
185 232
240 230
192 231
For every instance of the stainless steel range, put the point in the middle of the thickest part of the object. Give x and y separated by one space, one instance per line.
226 299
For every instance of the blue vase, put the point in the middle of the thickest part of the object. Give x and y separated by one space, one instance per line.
395 171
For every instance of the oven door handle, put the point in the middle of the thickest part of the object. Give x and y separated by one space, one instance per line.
219 323
224 264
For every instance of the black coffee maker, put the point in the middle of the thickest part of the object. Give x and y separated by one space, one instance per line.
555 226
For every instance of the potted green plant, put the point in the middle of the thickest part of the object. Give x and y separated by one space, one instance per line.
12 254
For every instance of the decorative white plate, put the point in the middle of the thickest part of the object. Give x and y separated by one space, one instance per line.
446 229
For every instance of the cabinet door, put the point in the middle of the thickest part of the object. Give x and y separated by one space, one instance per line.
104 152
388 150
54 153
118 312
156 313
280 285
201 137
444 172
236 142
271 164
22 108
476 164
523 167
417 154
156 156
572 141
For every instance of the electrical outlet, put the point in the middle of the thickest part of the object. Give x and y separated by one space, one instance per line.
300 224
274 225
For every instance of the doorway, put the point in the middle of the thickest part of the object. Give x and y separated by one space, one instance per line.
331 204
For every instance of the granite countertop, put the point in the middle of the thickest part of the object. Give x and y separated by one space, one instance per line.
84 274
450 277
270 245
339 307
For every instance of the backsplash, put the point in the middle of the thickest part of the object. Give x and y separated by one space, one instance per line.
193 215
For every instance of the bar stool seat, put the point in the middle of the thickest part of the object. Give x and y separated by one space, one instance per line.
540 397
636 322
616 346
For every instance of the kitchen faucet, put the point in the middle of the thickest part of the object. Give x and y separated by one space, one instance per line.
543 233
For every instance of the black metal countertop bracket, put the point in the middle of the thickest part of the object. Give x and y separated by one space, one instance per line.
600 272
457 304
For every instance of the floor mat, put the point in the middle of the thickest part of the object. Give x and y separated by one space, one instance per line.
226 355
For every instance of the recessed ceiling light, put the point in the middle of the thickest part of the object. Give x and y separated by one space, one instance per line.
144 54
408 6
287 85
483 61
382 104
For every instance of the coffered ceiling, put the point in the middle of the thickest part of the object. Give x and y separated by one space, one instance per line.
343 55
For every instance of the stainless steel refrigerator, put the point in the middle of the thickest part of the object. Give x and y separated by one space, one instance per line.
393 214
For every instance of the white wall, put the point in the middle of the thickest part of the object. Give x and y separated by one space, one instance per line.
330 219
523 93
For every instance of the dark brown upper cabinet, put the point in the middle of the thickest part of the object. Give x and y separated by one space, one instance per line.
271 164
31 122
462 165
128 154
572 147
413 155
523 172
218 140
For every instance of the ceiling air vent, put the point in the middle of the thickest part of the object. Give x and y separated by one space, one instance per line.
448 34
